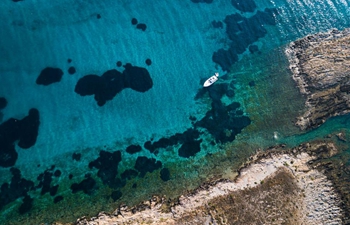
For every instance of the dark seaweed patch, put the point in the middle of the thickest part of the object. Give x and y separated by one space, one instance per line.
141 26
18 187
57 199
3 102
112 82
137 78
144 165
129 174
76 156
148 62
134 21
116 195
29 127
177 138
87 186
103 88
133 149
45 180
107 165
53 190
225 58
193 118
165 174
223 122
71 70
202 1
217 91
57 173
25 131
26 205
243 32
49 75
8 155
190 148
88 85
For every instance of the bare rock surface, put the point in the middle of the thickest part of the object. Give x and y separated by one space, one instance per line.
276 186
321 68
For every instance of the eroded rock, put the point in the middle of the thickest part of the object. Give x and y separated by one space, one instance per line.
321 66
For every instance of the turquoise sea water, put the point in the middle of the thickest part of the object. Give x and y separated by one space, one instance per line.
80 162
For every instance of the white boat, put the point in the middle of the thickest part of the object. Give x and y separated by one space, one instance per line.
211 80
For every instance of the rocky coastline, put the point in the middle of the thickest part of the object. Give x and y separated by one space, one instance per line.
276 186
320 64
307 184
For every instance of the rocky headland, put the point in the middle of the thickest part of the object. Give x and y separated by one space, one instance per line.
276 186
321 68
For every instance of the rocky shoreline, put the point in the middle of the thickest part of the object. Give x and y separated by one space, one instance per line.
308 184
276 186
320 64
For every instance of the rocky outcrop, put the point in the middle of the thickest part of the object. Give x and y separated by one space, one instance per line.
321 68
277 186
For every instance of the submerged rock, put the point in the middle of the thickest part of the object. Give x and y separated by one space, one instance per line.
321 66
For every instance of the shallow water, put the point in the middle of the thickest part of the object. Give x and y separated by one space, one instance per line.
180 39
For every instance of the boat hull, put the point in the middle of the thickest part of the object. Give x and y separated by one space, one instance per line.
210 81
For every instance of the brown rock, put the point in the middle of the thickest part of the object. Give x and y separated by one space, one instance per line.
321 67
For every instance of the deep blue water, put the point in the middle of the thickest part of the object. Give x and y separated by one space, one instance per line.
102 101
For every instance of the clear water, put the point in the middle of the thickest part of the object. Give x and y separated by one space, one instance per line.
180 39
